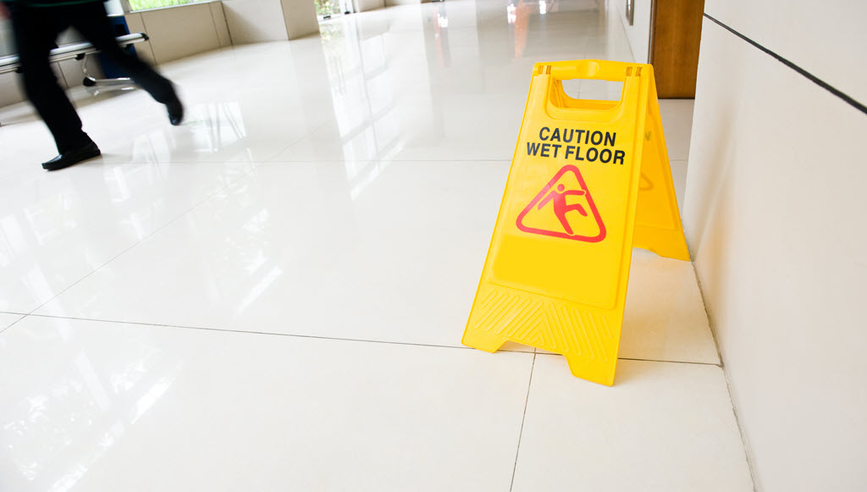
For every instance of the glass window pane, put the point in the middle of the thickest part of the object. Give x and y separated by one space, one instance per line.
156 4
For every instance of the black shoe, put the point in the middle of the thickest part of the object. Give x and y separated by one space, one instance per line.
71 157
176 111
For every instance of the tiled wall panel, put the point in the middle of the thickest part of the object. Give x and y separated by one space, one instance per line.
774 212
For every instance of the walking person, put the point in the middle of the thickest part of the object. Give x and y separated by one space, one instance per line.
36 24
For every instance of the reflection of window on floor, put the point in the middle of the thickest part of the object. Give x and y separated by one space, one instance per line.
362 97
327 9
156 4
214 128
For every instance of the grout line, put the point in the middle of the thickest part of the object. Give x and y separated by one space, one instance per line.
155 231
523 419
816 80
328 338
671 361
267 333
707 316
317 161
734 409
743 435
653 360
13 324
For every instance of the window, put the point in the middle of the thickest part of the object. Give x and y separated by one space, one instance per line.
156 4
6 38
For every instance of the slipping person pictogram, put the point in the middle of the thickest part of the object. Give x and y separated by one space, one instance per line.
568 182
557 198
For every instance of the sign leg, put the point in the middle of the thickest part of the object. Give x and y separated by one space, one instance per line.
483 340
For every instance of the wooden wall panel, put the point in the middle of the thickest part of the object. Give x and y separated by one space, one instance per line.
674 44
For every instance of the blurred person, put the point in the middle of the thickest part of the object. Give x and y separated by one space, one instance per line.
36 25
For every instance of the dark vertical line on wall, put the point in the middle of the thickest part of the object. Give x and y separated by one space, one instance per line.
734 407
214 22
816 80
651 43
149 43
226 21
63 74
285 25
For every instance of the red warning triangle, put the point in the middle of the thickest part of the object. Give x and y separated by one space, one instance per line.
567 198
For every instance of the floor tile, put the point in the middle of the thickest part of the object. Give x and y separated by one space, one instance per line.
101 406
318 226
55 228
324 250
661 427
378 251
24 144
665 317
235 127
7 320
464 128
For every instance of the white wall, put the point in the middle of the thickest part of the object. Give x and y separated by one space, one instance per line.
175 32
10 92
179 32
825 38
182 31
774 213
68 72
7 38
638 33
392 3
300 18
257 21
365 5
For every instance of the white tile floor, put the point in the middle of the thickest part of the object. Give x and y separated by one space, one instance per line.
271 296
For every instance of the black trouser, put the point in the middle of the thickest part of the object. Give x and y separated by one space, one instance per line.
36 30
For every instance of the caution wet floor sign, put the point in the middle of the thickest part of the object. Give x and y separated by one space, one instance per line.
589 180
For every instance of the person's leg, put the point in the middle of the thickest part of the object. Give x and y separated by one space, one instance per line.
91 21
35 32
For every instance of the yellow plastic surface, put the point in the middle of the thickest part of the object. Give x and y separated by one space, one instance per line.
589 180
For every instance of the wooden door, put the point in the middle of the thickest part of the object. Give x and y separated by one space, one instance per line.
675 33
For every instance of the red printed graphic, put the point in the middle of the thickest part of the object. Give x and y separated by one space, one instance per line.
566 197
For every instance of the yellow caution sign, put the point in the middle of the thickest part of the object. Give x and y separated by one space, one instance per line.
589 180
